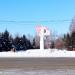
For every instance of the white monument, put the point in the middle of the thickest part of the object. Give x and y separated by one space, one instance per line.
42 31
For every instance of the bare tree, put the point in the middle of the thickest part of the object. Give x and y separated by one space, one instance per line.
72 26
47 42
59 43
36 42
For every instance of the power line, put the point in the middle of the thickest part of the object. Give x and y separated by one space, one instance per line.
42 21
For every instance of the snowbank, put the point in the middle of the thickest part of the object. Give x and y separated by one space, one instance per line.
39 53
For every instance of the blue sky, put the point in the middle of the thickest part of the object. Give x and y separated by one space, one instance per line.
22 16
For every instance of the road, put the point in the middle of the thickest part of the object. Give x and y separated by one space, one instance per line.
48 63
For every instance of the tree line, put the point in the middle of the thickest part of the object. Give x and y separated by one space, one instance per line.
8 43
68 40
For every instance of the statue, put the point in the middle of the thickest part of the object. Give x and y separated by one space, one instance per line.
42 31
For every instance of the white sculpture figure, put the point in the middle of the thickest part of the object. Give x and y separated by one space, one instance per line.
42 31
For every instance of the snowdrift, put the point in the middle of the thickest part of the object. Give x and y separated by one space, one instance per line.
39 53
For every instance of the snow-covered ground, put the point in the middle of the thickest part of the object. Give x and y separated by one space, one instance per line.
39 53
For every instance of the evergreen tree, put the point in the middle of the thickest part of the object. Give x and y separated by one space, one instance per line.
68 42
73 39
0 42
6 43
22 43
